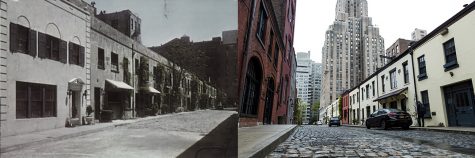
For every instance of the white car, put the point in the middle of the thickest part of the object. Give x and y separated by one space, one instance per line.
319 123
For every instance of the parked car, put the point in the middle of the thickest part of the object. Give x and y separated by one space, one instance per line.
334 121
319 123
386 118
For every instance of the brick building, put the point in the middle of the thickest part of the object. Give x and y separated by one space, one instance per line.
265 36
212 60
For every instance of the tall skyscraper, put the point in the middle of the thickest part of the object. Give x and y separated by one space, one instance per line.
351 50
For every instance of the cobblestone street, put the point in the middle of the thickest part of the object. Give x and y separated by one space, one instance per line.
324 141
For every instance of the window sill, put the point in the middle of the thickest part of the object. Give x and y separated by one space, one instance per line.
115 71
422 77
451 65
260 41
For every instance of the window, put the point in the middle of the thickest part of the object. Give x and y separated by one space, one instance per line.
114 62
450 55
22 39
100 58
406 72
35 100
261 27
137 67
372 86
367 91
382 83
52 48
422 68
76 54
425 103
276 55
269 51
392 77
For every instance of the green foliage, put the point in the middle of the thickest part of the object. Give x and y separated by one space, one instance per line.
89 110
340 106
143 72
298 112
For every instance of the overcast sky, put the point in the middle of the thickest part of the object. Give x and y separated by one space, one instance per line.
163 20
395 19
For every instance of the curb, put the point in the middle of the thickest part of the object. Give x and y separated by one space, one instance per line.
428 129
272 145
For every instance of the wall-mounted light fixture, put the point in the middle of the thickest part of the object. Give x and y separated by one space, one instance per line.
444 31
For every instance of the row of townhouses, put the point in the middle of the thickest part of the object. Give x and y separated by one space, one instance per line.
61 64
436 71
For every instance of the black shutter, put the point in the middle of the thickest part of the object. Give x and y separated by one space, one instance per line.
42 45
32 43
63 51
13 37
81 56
71 51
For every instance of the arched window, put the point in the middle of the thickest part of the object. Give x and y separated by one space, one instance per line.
252 88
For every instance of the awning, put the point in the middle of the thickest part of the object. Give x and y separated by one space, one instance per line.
119 84
75 84
152 90
395 93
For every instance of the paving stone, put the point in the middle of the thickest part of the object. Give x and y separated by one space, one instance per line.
313 141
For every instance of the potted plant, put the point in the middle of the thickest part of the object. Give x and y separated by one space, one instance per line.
89 119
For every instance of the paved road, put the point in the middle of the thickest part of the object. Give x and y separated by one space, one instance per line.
161 137
324 141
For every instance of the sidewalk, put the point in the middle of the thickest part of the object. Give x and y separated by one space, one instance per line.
15 142
260 140
463 130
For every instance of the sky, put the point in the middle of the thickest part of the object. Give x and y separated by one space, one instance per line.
395 19
164 20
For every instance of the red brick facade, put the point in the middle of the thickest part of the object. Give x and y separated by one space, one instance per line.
263 66
345 107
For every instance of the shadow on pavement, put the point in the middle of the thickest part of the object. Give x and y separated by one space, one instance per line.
220 142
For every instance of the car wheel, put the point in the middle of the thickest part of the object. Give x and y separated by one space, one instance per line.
384 125
367 126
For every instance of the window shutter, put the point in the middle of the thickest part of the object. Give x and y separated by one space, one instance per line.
32 43
71 51
81 56
63 53
13 37
42 45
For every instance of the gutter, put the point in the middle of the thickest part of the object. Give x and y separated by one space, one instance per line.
413 77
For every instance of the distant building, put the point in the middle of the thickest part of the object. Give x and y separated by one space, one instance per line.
351 51
212 60
396 49
308 82
418 34
124 21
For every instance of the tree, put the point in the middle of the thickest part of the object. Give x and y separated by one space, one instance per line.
340 106
315 112
298 112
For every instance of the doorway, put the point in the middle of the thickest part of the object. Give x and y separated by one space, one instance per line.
460 104
269 102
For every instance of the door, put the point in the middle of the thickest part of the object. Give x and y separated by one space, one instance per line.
460 104
269 102
97 102
75 104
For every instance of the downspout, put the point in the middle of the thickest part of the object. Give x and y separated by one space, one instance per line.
133 82
414 79
243 59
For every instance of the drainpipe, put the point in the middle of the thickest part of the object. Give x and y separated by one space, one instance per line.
133 82
246 49
414 79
